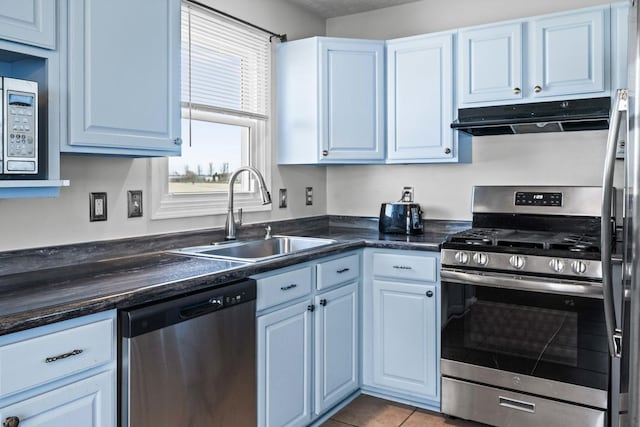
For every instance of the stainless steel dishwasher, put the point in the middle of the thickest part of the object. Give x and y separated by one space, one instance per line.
191 361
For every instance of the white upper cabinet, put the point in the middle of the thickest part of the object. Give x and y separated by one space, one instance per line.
569 53
31 22
124 77
491 63
420 100
551 57
330 101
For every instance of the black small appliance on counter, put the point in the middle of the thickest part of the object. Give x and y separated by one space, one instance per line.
400 217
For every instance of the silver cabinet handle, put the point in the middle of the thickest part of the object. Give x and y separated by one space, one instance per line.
343 270
402 267
516 404
11 422
447 150
325 152
62 356
516 90
429 294
323 302
537 89
286 288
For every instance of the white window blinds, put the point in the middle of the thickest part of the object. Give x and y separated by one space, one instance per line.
225 64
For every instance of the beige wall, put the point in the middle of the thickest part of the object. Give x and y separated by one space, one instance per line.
445 190
43 222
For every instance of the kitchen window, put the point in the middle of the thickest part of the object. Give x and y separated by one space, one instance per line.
225 96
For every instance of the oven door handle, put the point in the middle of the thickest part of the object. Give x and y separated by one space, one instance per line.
520 283
614 332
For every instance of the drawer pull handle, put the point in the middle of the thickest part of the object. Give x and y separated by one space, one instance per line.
343 270
516 404
402 267
323 302
11 422
63 356
429 294
286 288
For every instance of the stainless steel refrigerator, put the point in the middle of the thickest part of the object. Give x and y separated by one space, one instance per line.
621 264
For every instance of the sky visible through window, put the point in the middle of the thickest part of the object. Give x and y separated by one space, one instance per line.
215 152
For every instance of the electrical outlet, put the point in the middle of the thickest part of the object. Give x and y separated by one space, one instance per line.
407 194
98 207
134 203
308 196
282 198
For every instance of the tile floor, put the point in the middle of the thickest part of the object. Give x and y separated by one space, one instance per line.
368 411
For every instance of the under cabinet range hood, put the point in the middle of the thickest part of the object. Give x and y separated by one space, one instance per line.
554 116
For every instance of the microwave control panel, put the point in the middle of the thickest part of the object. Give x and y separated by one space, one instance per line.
20 136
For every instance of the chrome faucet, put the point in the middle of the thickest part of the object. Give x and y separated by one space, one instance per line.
230 225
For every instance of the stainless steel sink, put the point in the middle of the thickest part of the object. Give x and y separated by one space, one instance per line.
256 250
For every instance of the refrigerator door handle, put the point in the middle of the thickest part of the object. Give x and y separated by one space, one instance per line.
614 332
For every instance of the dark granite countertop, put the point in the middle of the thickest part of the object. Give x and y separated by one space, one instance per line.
44 285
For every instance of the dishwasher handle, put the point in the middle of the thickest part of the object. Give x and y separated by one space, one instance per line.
150 317
194 310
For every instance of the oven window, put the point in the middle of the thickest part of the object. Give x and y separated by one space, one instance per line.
562 338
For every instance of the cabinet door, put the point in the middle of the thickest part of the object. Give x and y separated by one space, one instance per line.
284 361
29 21
124 77
404 337
87 403
352 100
420 99
336 346
569 54
490 61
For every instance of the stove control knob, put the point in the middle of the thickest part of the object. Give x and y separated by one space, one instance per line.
480 258
556 265
517 261
579 267
462 257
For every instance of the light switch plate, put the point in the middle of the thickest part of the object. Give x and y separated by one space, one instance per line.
97 207
282 198
134 203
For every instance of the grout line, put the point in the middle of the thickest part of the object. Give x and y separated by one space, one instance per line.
408 416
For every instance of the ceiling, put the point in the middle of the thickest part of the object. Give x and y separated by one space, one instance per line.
333 8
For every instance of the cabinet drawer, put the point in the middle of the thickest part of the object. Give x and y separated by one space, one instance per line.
337 271
35 361
405 267
279 288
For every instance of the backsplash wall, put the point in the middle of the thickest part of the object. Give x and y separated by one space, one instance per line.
444 191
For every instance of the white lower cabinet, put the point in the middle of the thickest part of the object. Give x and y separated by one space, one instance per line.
308 345
401 326
86 403
60 375
336 346
284 367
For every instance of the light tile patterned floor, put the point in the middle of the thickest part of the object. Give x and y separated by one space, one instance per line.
367 411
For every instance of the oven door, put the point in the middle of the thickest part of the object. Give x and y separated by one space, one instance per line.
529 342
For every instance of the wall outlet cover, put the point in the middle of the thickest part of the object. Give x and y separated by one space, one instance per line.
308 196
97 207
134 203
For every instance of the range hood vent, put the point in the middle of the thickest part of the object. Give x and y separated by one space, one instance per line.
554 116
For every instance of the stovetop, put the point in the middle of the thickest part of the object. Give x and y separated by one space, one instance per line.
527 241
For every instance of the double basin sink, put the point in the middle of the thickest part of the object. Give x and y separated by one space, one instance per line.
255 250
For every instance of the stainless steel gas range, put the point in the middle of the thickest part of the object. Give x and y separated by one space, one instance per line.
524 341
